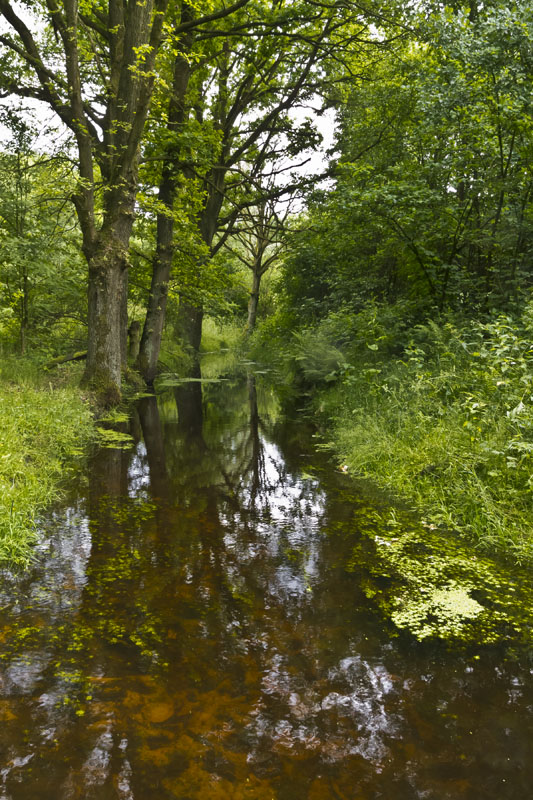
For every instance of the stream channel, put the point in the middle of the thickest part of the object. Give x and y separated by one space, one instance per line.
195 625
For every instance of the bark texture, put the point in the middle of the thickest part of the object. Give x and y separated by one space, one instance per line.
107 314
253 302
152 334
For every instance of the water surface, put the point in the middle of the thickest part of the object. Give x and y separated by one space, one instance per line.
191 630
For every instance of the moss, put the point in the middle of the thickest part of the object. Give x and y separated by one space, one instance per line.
105 393
133 382
109 395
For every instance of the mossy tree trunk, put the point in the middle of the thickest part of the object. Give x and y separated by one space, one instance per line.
107 328
189 325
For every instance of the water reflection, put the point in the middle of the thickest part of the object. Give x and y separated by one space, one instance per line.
152 434
190 630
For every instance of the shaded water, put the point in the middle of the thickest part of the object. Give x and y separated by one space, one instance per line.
191 630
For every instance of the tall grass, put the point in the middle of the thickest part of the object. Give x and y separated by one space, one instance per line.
449 427
221 336
43 432
441 413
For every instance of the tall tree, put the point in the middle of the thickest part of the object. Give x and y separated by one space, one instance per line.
271 64
94 64
246 76
169 127
256 242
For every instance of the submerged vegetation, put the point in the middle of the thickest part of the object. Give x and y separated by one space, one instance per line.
432 585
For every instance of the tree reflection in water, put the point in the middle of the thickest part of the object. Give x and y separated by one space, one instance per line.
190 630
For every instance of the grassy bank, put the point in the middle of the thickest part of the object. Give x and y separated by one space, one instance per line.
441 414
44 429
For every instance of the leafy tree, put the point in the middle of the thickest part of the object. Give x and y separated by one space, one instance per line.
432 194
95 65
168 133
231 123
256 243
42 273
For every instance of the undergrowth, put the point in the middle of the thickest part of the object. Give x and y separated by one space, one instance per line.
44 430
440 412
220 336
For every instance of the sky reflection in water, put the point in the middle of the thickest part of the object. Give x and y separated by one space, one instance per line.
190 630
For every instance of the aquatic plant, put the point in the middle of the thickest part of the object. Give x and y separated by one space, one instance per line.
429 583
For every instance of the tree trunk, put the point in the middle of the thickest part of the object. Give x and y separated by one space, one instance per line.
150 346
108 267
154 322
124 319
253 302
25 314
134 338
189 325
190 318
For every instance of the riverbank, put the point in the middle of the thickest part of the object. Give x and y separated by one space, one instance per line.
443 419
46 424
209 591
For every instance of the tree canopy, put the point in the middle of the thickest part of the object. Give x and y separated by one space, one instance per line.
183 123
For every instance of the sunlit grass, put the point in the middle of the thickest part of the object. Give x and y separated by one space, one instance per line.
460 456
437 470
216 336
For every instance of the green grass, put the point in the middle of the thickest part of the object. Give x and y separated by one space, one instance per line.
439 413
216 336
439 470
448 428
44 428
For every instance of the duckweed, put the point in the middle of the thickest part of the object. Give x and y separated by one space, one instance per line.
431 584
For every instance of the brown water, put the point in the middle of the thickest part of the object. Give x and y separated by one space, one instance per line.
190 630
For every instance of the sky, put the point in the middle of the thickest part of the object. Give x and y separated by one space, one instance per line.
50 133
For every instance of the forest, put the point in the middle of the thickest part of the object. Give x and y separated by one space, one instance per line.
166 189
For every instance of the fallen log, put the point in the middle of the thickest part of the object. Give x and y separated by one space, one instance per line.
79 356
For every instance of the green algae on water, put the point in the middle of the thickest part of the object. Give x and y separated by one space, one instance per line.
432 585
446 609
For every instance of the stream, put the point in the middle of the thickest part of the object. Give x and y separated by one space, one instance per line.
194 626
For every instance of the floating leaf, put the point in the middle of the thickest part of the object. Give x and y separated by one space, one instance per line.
170 381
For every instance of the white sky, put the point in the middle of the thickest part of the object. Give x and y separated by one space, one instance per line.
51 133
